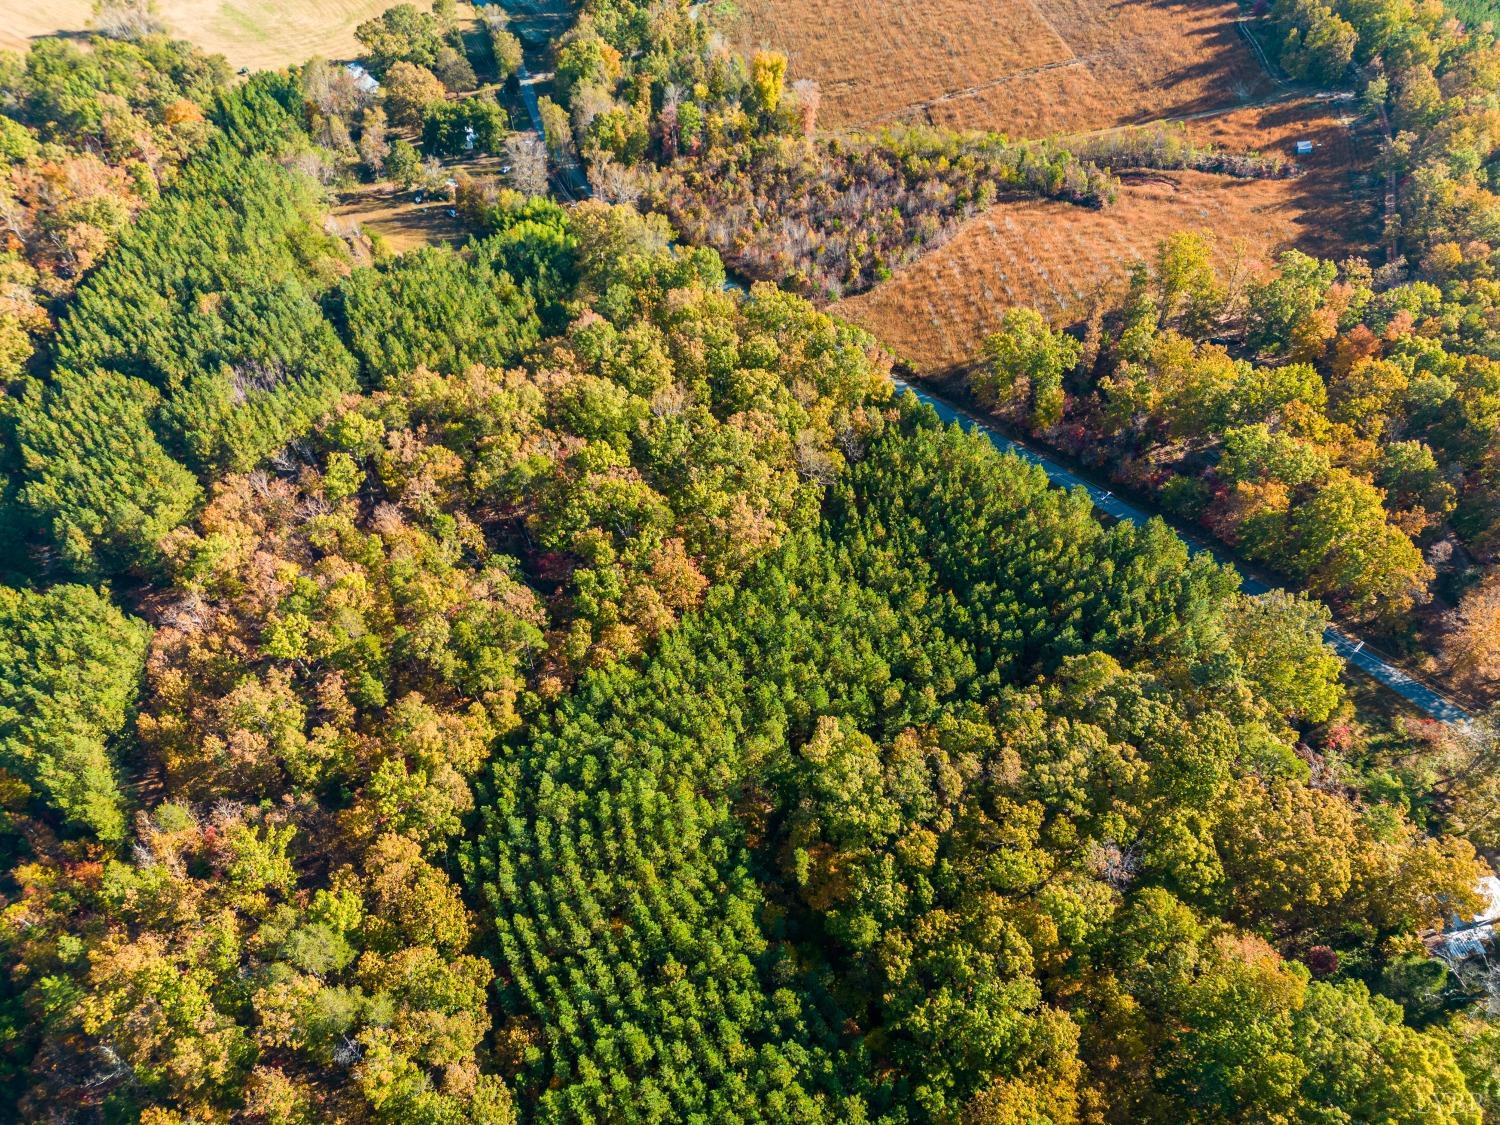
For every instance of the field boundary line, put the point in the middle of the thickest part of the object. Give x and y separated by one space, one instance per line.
1260 52
1286 93
1202 114
1041 17
969 91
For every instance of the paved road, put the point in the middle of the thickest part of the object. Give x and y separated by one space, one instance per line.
568 178
1351 648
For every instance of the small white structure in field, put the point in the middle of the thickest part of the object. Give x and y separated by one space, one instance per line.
1304 148
469 138
364 81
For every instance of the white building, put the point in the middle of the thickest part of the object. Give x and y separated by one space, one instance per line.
1469 937
364 81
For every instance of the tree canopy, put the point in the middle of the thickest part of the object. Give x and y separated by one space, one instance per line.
534 681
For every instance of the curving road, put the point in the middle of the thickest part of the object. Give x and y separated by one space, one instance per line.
1355 651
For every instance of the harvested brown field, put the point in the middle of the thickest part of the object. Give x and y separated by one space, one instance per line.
873 59
250 33
1056 257
1022 67
1334 204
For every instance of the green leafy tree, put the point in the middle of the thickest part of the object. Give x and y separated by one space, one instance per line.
477 124
1364 1062
404 165
98 483
506 49
1280 638
70 665
1319 43
402 33
1279 306
407 91
1341 540
438 308
1191 293
1027 361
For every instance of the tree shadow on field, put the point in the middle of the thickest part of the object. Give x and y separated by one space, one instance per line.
76 35
1338 194
1333 202
1226 70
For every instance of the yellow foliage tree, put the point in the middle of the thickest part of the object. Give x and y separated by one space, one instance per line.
768 73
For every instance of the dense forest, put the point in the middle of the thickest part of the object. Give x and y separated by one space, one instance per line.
1334 421
535 680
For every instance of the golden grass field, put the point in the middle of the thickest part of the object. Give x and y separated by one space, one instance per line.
258 34
1055 257
1046 67
1023 67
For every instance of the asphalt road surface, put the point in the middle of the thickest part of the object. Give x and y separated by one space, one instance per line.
1354 650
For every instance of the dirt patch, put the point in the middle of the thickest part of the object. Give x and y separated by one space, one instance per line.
1056 257
1022 67
258 34
400 222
